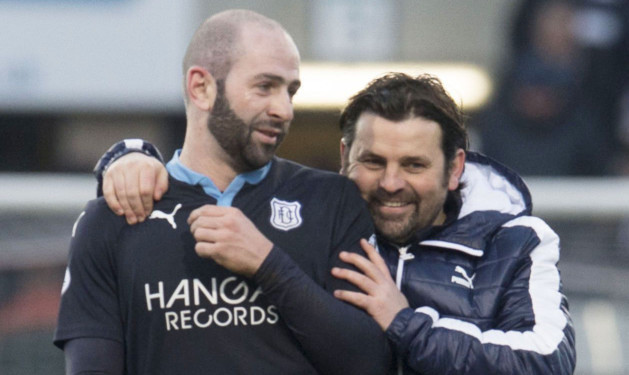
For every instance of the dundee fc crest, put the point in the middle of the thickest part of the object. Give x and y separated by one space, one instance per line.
285 215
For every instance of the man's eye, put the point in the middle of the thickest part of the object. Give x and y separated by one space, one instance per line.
265 86
415 167
372 163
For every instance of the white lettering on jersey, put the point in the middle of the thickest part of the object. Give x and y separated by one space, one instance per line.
190 304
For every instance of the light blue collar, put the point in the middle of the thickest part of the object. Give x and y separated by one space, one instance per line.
184 174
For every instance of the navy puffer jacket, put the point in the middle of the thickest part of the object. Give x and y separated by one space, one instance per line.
484 289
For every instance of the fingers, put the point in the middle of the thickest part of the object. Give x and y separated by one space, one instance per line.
362 263
374 256
206 241
204 223
147 187
152 184
355 298
120 191
130 184
134 194
208 210
210 216
207 220
110 196
361 281
161 182
205 249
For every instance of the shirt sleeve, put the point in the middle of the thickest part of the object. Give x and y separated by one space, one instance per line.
337 337
91 356
89 304
532 333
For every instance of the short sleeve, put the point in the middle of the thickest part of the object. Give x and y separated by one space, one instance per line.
89 303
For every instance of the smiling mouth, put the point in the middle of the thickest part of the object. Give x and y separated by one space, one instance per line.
393 204
392 208
268 135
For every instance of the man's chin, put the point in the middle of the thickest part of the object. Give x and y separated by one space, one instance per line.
259 158
393 231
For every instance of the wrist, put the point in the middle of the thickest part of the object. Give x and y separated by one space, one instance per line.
119 150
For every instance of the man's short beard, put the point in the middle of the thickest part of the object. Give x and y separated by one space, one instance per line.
402 230
399 232
235 136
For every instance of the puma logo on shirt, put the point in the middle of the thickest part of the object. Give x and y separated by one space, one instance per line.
157 214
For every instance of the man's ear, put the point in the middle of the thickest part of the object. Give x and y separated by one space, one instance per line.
201 88
456 169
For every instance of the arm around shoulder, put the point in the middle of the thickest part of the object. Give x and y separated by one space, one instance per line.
118 150
130 176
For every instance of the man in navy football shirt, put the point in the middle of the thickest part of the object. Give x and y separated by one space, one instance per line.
230 273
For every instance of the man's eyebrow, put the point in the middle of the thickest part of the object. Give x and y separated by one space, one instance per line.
417 158
278 79
369 154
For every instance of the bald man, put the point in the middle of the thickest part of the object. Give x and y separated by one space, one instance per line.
230 274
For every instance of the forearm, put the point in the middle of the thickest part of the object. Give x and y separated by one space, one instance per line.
531 330
433 344
337 338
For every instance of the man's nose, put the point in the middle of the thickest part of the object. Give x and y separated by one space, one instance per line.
392 180
281 107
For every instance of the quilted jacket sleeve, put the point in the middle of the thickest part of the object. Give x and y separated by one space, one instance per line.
532 331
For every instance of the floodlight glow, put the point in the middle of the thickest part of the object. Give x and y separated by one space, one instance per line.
329 85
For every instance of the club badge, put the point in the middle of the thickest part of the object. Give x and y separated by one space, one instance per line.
285 215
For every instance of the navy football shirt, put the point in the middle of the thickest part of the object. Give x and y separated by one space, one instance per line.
176 313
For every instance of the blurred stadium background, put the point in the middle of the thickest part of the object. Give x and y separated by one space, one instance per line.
78 75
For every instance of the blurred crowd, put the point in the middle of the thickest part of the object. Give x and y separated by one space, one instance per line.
562 102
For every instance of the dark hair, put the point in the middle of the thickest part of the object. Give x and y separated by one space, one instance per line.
397 97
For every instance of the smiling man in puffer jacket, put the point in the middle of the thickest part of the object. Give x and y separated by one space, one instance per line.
462 278
480 288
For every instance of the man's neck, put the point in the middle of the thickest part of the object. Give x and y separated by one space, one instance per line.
204 155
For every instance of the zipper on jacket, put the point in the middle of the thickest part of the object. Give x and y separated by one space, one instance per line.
404 256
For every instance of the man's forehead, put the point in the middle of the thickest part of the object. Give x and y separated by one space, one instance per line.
413 136
270 56
261 38
369 122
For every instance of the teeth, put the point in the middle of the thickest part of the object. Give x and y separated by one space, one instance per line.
393 204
